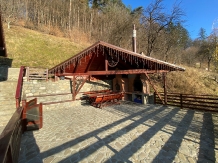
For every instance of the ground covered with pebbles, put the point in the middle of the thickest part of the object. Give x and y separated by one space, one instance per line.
122 133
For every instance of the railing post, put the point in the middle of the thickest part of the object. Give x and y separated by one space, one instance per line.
28 73
181 101
46 74
154 97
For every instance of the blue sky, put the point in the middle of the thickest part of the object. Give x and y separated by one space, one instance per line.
198 13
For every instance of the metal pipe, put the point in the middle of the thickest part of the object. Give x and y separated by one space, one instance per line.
134 39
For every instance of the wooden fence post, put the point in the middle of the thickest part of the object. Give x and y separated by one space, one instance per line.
46 74
27 73
154 97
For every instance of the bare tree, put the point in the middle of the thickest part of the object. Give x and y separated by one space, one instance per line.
155 20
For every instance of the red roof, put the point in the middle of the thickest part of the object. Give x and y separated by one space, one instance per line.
105 59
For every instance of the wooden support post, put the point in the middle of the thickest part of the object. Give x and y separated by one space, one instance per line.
28 73
165 88
74 88
81 85
181 101
106 63
46 74
154 97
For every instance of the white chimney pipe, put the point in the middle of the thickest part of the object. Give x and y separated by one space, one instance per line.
134 39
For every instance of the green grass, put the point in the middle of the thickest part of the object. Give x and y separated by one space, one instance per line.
34 49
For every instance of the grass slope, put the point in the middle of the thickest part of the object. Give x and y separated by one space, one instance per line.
34 49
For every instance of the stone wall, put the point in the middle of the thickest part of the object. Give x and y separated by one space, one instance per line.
36 88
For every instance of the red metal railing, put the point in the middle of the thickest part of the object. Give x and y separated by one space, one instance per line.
19 86
199 102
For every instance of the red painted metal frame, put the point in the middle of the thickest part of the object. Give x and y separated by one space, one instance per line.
19 86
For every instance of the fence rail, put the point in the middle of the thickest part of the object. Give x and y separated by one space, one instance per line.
10 138
19 86
36 74
200 102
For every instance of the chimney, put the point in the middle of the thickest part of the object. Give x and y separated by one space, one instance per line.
134 39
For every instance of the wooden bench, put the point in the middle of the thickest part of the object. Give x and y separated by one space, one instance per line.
88 96
98 91
106 99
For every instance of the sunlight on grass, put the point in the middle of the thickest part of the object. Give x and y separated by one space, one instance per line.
31 48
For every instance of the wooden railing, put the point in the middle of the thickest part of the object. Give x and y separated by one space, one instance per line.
200 102
36 74
27 117
32 114
19 86
10 138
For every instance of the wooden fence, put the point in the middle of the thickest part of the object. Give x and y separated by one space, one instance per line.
36 74
200 102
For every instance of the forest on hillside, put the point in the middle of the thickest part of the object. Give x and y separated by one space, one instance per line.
160 34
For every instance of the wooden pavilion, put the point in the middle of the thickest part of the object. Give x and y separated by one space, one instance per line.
105 61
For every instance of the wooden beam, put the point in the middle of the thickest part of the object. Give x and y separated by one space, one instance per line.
77 91
76 66
90 62
113 72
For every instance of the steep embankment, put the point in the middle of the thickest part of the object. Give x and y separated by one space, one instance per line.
191 81
194 81
35 49
31 48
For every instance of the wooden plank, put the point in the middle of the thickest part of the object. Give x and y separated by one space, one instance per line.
112 72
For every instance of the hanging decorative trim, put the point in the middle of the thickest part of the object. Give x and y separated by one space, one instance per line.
112 60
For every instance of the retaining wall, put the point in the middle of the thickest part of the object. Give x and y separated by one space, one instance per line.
35 88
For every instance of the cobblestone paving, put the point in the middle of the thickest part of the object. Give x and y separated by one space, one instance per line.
122 133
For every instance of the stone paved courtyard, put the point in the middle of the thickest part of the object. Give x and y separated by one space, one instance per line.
122 133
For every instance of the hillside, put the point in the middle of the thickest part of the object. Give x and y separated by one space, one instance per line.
35 49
